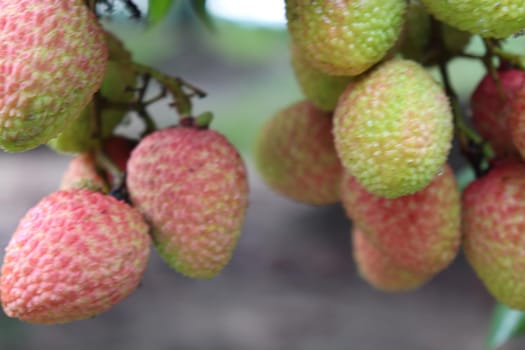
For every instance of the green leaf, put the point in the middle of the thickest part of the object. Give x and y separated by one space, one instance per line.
199 7
505 324
158 9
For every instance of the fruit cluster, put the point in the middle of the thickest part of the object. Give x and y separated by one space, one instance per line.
376 129
64 81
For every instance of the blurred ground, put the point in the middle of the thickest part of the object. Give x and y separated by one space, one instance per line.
292 283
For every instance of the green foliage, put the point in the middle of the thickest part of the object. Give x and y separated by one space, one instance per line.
158 9
506 323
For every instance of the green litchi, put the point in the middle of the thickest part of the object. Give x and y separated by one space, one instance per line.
393 129
345 37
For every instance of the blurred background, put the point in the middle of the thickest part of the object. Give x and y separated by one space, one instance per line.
292 283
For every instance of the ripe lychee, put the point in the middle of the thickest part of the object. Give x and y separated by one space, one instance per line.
419 232
491 105
393 129
192 187
322 89
53 60
488 18
516 113
493 226
295 155
345 37
379 270
74 255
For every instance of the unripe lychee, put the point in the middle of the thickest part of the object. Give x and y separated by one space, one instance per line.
420 232
295 155
82 173
322 89
116 86
53 60
488 18
493 226
379 270
74 255
345 37
491 108
192 187
393 129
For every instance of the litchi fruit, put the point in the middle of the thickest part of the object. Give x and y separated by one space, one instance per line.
419 232
378 269
53 59
295 155
493 226
345 37
191 185
74 255
488 18
393 129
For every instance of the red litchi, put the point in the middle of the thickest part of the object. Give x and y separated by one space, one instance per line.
53 59
191 185
420 232
74 255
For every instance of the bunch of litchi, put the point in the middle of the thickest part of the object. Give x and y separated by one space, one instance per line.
362 68
85 247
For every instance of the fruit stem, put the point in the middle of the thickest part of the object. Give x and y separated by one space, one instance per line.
474 148
106 164
175 86
148 121
495 50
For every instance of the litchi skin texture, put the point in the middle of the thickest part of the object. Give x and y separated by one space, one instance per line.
493 226
82 173
74 255
322 89
516 116
192 187
393 129
420 232
295 155
492 109
488 18
80 135
345 37
53 60
377 268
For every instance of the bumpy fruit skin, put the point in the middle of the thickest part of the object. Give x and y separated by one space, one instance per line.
393 129
416 39
295 155
491 108
74 255
379 270
345 37
82 173
488 18
192 187
516 117
420 232
53 60
493 226
120 76
322 89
